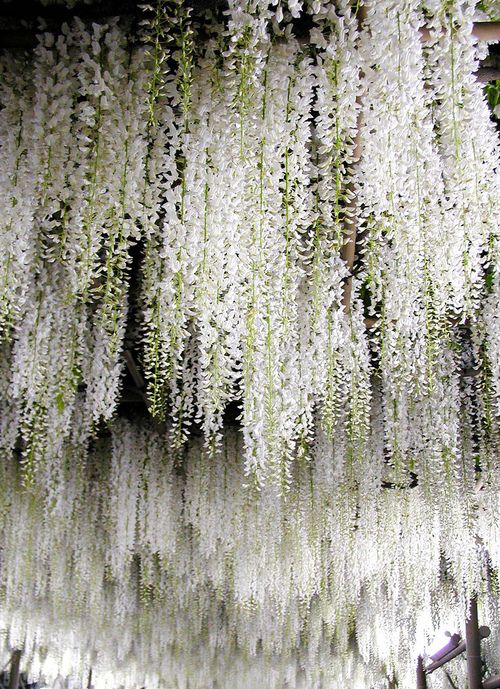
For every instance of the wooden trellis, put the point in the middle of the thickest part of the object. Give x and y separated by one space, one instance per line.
471 646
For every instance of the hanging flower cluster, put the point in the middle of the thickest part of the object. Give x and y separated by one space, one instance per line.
223 170
192 198
162 575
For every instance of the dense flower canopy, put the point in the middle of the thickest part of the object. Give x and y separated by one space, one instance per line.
195 197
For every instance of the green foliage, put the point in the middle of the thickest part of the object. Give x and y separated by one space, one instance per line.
490 7
493 96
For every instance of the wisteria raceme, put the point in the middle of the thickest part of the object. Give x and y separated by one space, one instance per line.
258 320
468 146
399 165
310 491
225 568
18 195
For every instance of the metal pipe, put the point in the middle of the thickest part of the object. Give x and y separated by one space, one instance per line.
492 682
421 678
473 646
15 665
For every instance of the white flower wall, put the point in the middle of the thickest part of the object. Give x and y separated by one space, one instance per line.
160 575
189 199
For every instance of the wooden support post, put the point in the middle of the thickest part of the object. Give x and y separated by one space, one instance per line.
492 682
15 672
473 647
421 678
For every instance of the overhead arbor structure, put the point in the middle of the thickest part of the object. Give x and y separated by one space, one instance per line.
249 372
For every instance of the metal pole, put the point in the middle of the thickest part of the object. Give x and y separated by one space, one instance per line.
473 647
15 664
421 678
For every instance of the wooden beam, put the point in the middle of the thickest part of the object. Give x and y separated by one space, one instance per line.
455 650
133 370
136 375
483 31
450 681
487 31
455 639
33 9
486 74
